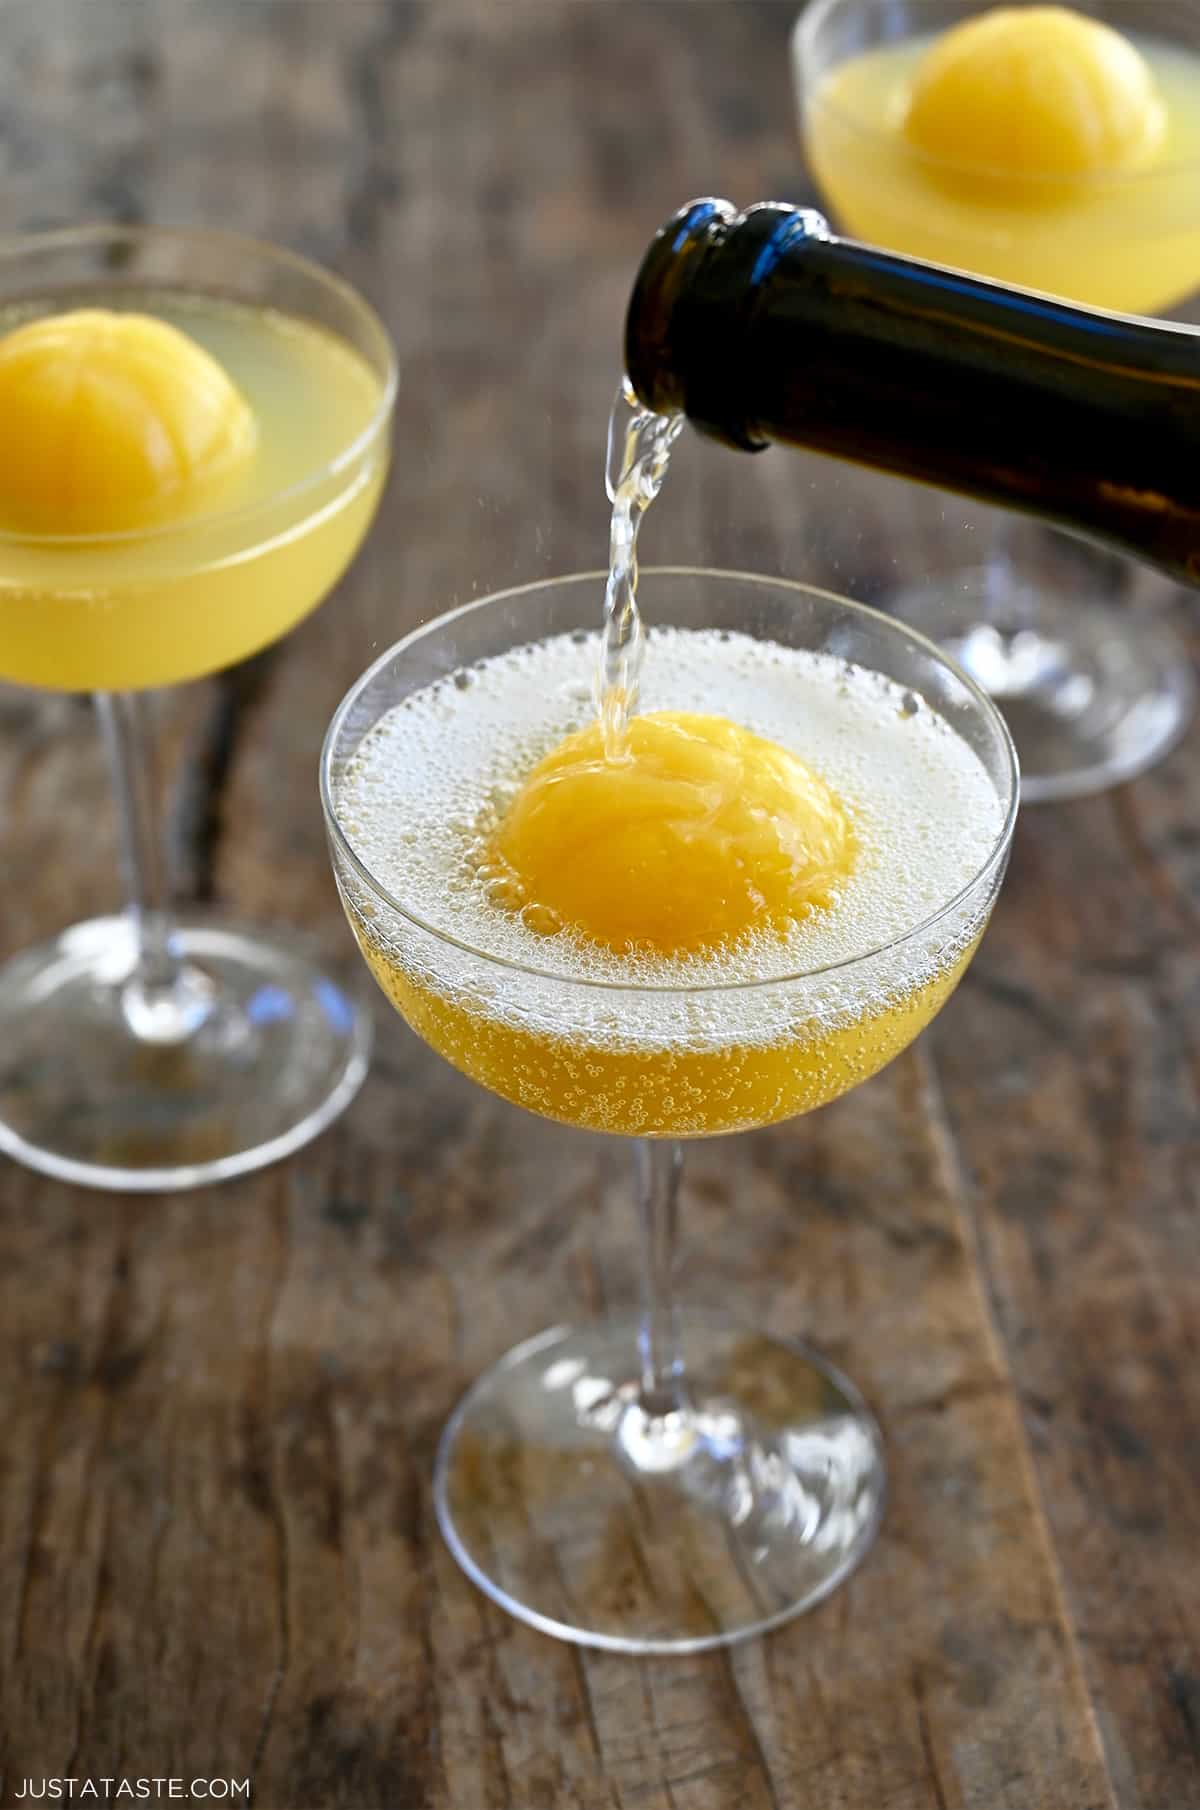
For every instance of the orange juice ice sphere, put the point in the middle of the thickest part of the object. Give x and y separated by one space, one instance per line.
657 944
182 477
1035 90
110 422
1029 143
697 833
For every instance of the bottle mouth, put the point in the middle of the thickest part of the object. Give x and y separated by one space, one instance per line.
682 337
671 262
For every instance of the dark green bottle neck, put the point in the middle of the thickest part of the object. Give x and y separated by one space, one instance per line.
693 304
764 326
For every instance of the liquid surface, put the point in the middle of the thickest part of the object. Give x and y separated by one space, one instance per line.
1128 240
209 590
657 1061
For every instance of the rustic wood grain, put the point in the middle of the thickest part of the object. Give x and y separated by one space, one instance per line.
220 1409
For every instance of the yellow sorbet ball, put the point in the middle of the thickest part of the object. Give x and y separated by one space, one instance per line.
111 422
700 833
1036 91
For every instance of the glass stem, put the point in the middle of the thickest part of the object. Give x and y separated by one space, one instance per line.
164 999
658 1165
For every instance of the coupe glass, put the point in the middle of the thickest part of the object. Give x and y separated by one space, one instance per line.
665 1483
1072 643
151 1051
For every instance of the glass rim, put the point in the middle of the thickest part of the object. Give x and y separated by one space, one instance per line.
1089 183
597 577
16 244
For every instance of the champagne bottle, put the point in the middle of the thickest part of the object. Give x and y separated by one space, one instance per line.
763 326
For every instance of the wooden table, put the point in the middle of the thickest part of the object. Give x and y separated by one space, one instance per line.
219 1410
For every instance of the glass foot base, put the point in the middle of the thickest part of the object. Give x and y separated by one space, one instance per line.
270 1053
581 1515
1093 694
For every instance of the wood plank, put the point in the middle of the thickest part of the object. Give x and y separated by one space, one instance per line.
1082 1134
